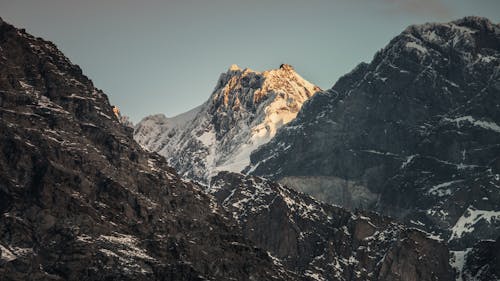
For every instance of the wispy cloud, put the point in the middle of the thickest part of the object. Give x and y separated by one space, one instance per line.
420 7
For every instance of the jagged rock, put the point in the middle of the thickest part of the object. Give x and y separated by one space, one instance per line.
80 200
245 111
483 261
325 242
419 127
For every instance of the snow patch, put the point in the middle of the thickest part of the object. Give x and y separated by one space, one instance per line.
418 47
441 190
6 254
479 123
457 261
471 216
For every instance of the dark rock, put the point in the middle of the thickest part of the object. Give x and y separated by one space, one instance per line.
419 127
80 200
325 242
483 261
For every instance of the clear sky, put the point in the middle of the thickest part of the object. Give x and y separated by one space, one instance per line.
154 56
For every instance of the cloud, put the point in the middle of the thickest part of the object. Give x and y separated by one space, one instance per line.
420 7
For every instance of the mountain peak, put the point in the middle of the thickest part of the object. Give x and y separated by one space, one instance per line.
450 30
474 22
234 67
244 111
286 67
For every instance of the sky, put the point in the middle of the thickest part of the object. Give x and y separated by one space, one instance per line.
165 56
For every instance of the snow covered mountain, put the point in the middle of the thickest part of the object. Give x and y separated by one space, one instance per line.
244 111
415 134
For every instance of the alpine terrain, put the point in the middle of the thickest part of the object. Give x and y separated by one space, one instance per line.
324 242
81 200
245 111
415 135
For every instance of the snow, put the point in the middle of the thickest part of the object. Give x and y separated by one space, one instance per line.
314 275
152 131
432 36
417 222
414 45
462 29
234 67
6 254
251 117
270 116
104 115
407 161
479 123
385 153
239 161
207 138
183 118
487 59
262 133
471 216
440 190
45 102
13 252
108 253
457 261
128 245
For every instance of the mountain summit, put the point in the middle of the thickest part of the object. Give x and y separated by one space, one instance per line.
244 111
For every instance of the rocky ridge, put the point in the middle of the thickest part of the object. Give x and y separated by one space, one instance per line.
416 131
79 198
324 242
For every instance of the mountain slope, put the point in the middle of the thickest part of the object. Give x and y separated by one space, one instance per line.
416 132
155 131
80 200
244 111
325 242
482 262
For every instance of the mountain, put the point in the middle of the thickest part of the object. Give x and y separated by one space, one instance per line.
325 242
244 111
414 134
80 200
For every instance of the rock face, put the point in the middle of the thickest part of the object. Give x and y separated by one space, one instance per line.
244 111
325 242
482 262
80 200
419 127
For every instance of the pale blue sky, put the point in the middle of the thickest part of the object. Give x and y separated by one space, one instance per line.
153 56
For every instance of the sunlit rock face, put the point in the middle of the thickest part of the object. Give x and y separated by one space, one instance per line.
245 111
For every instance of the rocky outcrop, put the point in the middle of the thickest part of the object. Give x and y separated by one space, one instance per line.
80 200
419 127
482 262
324 242
245 111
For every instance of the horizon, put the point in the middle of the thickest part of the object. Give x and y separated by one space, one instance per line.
158 57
